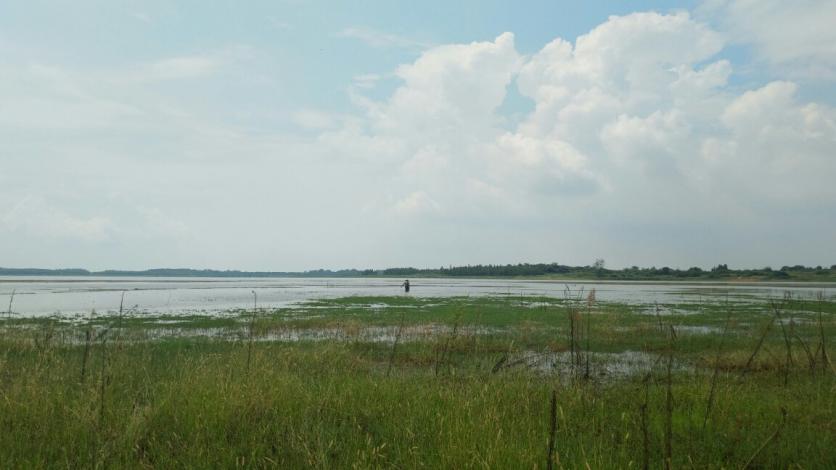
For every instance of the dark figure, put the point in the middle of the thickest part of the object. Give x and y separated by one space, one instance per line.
405 286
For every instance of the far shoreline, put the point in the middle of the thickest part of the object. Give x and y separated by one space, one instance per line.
108 278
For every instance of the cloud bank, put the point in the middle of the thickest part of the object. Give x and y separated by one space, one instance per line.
633 145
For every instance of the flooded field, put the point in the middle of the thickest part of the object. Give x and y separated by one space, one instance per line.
42 296
458 365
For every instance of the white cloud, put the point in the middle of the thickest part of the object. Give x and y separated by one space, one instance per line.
190 66
314 119
181 67
366 80
382 40
634 123
418 202
33 217
450 88
797 37
781 148
636 143
444 111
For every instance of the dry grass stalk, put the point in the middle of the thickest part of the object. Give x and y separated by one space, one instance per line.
811 358
443 356
751 359
716 372
575 327
88 337
504 359
659 317
825 360
590 302
669 405
645 434
104 380
252 324
777 309
552 431
11 300
395 344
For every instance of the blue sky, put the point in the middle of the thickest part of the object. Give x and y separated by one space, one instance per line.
298 135
309 51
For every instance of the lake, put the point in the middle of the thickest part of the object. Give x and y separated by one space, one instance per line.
72 296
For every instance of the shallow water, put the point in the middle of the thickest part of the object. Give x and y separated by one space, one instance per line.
42 296
606 366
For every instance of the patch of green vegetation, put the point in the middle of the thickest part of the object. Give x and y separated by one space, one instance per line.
369 382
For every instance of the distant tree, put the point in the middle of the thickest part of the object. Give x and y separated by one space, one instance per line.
693 271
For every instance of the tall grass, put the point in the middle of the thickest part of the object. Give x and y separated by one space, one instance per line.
179 402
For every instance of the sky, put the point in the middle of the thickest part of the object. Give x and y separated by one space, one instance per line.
292 135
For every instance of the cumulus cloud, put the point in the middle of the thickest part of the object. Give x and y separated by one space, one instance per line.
781 148
633 123
797 37
631 92
432 130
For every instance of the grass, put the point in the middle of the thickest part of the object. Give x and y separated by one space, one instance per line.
428 393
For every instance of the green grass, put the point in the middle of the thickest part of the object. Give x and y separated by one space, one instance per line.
187 401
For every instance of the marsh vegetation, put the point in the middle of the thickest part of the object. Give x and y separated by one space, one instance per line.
496 382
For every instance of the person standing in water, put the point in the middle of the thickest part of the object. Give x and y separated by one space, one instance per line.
405 286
